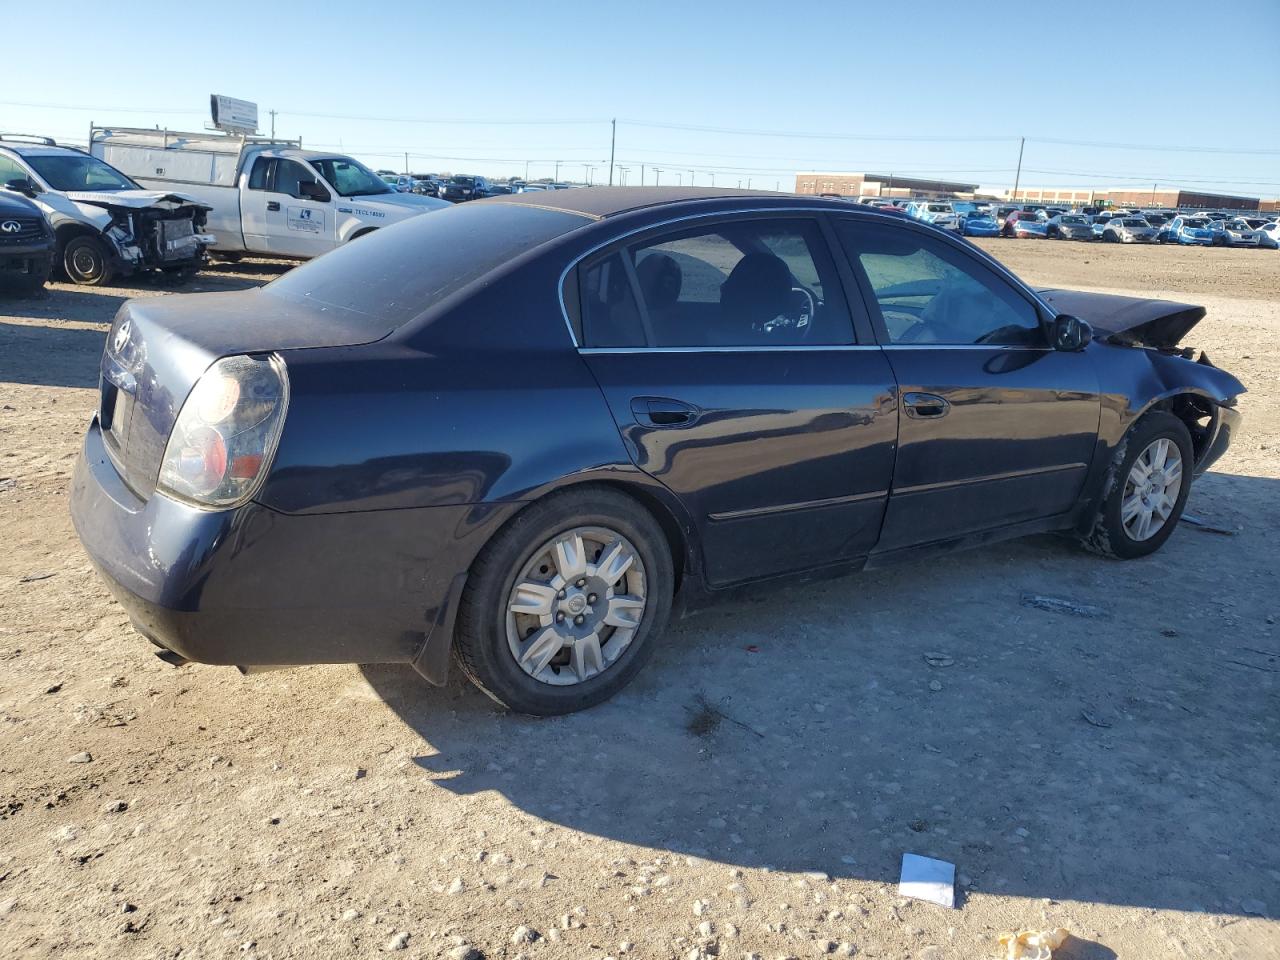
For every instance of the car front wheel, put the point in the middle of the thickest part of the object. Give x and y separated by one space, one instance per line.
87 262
1145 489
563 606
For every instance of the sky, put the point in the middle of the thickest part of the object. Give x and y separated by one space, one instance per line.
1107 94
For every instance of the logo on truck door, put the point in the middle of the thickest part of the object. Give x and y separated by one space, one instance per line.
306 220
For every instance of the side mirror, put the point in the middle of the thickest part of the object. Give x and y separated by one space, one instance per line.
23 185
1069 334
311 190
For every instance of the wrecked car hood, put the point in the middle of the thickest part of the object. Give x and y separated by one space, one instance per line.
1129 321
134 199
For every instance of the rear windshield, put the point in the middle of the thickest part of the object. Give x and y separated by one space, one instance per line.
394 274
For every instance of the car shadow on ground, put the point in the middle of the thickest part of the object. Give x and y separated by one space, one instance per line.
1112 756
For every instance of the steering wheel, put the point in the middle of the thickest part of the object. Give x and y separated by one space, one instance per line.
798 318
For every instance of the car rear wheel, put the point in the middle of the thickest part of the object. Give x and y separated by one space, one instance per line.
563 606
87 262
1145 489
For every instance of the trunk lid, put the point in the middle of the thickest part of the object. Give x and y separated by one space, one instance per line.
159 347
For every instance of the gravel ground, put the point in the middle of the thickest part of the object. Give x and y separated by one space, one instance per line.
750 795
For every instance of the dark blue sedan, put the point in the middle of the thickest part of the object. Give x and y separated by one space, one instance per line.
524 431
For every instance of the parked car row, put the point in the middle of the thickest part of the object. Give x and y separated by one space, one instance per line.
973 218
462 187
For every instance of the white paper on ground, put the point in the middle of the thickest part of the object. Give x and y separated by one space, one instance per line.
926 879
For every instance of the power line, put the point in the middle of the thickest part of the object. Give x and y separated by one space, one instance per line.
922 138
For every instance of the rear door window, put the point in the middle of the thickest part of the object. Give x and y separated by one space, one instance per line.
742 283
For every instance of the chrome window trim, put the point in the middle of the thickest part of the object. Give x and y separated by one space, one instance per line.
761 348
700 215
968 346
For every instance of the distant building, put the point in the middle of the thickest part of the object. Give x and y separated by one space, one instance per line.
879 185
1173 199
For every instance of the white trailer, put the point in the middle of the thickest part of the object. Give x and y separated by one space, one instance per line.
268 197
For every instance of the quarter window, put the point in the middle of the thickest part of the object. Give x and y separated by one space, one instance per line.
756 283
930 293
258 175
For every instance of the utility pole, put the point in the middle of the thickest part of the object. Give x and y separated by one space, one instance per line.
713 179
1153 193
642 174
622 175
1017 177
557 171
748 183
526 171
679 179
273 123
691 178
613 142
657 176
406 163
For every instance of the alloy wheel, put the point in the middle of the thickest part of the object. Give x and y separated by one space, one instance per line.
1151 489
576 605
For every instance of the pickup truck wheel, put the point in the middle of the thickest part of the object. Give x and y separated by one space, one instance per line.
563 606
1145 489
87 262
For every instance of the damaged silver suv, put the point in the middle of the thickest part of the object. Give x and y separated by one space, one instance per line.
105 224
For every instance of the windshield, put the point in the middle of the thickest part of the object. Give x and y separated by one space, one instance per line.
977 215
1134 222
939 208
1073 220
1194 222
464 181
350 177
1237 225
79 172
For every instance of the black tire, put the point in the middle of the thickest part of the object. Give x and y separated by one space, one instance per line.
87 262
217 256
1107 535
480 640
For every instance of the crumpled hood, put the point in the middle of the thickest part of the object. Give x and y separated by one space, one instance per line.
134 199
1130 321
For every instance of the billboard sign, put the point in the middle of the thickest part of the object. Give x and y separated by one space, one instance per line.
232 115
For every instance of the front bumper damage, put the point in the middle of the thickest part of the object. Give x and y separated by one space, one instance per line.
167 233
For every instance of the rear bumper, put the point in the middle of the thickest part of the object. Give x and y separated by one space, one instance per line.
254 587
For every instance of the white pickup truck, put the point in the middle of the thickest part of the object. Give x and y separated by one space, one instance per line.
267 197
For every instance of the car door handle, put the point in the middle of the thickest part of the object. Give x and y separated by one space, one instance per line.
663 412
925 406
273 205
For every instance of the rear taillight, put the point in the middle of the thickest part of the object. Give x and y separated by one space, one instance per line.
226 433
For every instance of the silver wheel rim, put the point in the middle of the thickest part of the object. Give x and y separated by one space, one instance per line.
84 262
576 605
1151 489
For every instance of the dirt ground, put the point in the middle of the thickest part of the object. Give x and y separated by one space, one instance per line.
751 795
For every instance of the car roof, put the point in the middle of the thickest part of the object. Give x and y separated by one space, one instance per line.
38 150
603 202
